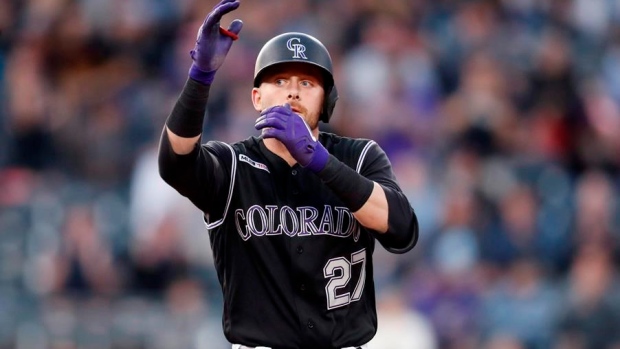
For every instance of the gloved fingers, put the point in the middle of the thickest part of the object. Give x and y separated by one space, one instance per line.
308 130
283 110
224 7
270 120
272 133
258 124
222 2
235 26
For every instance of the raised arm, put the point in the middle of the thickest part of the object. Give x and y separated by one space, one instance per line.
195 171
184 125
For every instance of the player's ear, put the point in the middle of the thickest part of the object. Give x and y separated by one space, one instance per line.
256 98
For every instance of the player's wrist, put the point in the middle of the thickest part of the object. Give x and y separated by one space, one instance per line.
204 77
350 187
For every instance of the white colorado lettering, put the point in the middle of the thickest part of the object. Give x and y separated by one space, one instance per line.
302 221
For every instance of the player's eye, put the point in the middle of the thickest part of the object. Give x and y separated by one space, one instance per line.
279 82
306 83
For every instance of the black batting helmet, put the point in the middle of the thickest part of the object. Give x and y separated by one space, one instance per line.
299 47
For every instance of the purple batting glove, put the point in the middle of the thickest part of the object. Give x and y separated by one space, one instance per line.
281 123
212 45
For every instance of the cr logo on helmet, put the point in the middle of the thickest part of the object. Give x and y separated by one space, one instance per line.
298 49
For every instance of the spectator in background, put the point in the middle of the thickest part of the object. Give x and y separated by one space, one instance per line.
85 263
168 237
445 285
29 138
401 327
602 109
590 318
503 341
595 209
522 304
516 233
552 104
479 114
187 322
393 64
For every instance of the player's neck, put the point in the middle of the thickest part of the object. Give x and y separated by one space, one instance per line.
276 147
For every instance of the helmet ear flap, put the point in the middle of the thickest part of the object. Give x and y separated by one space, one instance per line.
329 104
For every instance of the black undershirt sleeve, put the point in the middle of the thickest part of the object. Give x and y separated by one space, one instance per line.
402 233
352 188
188 114
202 175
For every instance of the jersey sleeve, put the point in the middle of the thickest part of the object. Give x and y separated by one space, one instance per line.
402 233
204 175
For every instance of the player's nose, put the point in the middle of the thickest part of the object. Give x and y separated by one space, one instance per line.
293 89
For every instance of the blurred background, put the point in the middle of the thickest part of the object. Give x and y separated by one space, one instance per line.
501 119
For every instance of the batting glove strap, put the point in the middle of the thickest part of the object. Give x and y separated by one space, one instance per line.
350 187
206 78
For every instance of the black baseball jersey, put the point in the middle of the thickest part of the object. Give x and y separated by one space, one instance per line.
295 266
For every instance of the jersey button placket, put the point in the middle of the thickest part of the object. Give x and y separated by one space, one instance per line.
302 286
295 186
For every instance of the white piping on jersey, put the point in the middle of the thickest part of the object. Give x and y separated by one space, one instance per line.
233 170
360 161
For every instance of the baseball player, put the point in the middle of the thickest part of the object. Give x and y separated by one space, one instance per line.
292 214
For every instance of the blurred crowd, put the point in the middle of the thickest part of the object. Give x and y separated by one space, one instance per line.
501 119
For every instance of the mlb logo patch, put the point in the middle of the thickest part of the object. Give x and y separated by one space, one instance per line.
253 163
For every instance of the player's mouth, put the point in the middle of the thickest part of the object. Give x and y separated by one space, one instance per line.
298 109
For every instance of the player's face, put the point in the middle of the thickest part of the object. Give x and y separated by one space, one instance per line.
299 84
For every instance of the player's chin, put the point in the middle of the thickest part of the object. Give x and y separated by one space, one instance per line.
313 122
